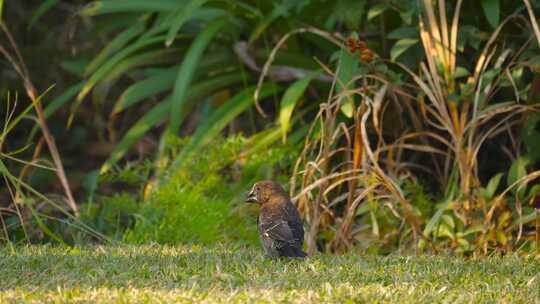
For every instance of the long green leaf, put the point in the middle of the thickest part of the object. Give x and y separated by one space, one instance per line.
401 46
150 119
144 89
11 123
20 184
151 58
376 10
165 21
110 64
492 10
492 186
270 136
522 220
219 119
160 80
163 80
183 15
148 58
278 11
40 11
54 105
435 219
4 171
120 6
160 112
160 83
348 68
118 42
288 102
517 171
262 139
187 70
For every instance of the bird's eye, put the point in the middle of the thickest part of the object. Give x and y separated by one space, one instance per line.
257 189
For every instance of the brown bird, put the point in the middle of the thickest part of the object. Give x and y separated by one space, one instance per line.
279 224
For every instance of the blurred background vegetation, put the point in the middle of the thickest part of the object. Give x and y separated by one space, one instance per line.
408 125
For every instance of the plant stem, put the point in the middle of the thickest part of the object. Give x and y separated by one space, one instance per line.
21 69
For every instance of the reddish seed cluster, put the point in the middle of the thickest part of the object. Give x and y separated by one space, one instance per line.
354 45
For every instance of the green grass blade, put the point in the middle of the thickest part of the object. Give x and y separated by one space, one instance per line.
13 122
347 70
118 42
104 70
59 101
145 88
278 11
10 124
150 119
40 11
183 15
160 25
21 184
262 139
52 107
289 101
187 70
435 219
492 11
401 46
165 21
160 112
163 80
151 58
121 6
4 171
268 137
160 83
219 119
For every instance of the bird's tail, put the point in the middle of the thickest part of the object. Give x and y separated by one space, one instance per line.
301 254
293 252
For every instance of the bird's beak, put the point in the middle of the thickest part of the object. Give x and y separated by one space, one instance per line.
251 196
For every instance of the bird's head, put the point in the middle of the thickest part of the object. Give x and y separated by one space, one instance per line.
261 192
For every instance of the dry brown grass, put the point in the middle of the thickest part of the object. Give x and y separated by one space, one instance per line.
344 166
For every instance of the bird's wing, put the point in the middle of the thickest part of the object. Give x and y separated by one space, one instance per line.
295 223
297 230
278 230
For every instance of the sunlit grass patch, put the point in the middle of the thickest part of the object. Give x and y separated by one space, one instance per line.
153 274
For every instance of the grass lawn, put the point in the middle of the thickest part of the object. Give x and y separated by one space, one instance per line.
157 274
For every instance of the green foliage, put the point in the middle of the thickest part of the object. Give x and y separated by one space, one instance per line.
171 67
164 28
218 120
492 11
187 69
174 214
420 198
288 102
112 215
347 69
200 200
29 215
